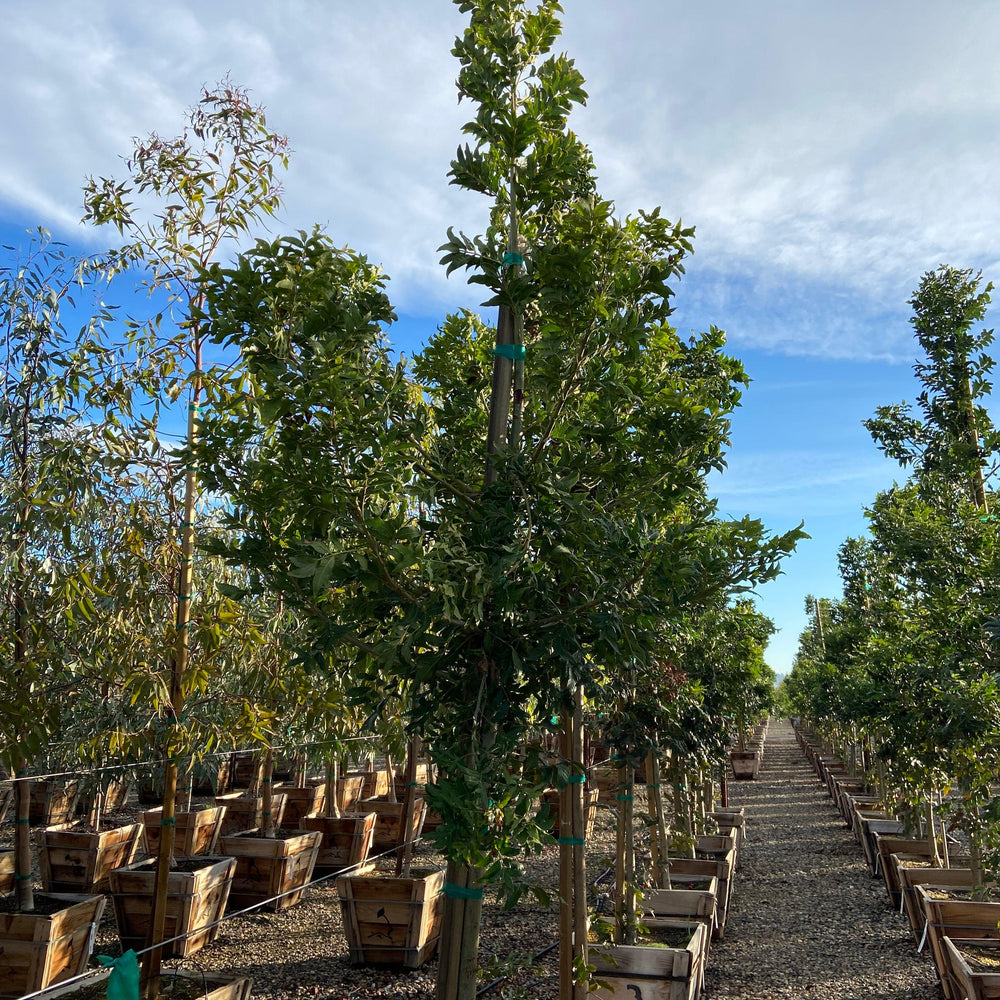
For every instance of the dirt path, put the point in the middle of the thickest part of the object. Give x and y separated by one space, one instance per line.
808 921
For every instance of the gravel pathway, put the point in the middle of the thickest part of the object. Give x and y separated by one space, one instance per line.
808 921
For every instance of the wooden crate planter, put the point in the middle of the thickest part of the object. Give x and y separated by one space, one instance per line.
910 877
388 819
267 867
680 868
423 776
197 832
591 797
75 860
210 987
965 918
374 784
392 921
37 950
51 803
350 791
630 971
718 847
347 841
745 764
197 893
695 901
243 813
870 829
113 798
731 820
967 979
302 802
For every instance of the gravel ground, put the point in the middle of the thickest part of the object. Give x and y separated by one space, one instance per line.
808 921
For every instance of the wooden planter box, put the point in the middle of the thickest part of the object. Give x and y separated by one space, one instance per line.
392 921
910 878
388 819
51 803
591 796
374 784
650 973
697 904
870 829
212 987
243 814
197 832
731 820
423 776
718 847
887 845
115 797
38 950
964 918
966 980
347 841
720 871
74 860
302 802
350 791
196 899
745 764
270 866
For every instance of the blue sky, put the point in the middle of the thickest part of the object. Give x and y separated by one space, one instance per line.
828 155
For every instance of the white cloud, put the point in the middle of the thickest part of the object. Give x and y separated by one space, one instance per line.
850 145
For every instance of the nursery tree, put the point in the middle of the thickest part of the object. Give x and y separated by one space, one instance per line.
207 186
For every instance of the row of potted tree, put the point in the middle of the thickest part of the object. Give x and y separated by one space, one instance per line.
899 676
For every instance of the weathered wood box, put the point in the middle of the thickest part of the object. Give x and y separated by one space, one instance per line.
591 796
347 841
197 893
244 813
392 921
301 802
75 860
51 803
196 832
210 987
628 971
269 867
388 820
967 979
37 950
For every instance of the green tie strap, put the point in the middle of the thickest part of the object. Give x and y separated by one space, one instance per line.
515 352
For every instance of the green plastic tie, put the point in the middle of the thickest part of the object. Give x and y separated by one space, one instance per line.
515 352
26 821
453 891
123 983
266 781
512 260
171 821
572 841
21 878
576 779
623 798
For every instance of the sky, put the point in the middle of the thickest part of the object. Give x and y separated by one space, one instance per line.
827 154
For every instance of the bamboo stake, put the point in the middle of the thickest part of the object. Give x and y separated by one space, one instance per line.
22 839
391 778
580 911
267 792
332 806
404 845
661 866
566 951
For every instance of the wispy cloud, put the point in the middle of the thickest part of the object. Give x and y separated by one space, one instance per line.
823 151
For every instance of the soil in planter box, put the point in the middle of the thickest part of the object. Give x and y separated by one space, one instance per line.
666 937
171 988
45 906
981 959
